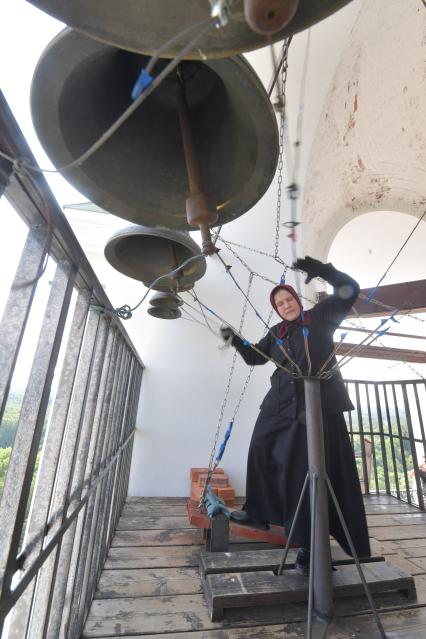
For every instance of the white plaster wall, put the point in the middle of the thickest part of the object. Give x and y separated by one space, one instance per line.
369 151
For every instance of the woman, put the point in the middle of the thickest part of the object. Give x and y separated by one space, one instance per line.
277 460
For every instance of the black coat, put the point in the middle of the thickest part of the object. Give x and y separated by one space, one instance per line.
277 460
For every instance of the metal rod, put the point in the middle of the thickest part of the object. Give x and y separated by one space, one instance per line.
293 524
30 425
312 573
18 306
42 500
355 556
382 439
413 447
361 437
394 464
321 563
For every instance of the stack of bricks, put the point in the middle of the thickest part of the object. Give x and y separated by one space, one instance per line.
219 483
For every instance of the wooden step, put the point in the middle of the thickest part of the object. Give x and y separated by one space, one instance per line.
268 559
260 588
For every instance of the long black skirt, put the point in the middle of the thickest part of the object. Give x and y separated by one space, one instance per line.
276 470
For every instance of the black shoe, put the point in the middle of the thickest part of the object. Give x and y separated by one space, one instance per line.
241 518
303 560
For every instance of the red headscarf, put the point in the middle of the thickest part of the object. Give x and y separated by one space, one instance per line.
303 318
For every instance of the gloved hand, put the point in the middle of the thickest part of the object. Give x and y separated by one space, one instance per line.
312 267
226 334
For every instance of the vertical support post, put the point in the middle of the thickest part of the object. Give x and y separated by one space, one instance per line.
413 446
321 561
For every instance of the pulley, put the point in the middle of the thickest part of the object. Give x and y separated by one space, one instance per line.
164 300
144 26
208 130
145 254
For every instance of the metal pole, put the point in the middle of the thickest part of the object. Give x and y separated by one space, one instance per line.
321 559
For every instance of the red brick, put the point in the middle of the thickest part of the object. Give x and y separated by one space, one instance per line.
215 480
197 491
227 494
194 473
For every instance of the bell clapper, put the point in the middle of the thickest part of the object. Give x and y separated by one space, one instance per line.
200 210
269 16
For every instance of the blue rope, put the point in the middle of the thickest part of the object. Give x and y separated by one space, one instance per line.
143 81
225 441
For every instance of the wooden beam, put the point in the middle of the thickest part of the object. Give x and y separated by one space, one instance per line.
384 352
405 296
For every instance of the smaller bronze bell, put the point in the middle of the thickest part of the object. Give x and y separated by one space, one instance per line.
164 312
145 253
165 300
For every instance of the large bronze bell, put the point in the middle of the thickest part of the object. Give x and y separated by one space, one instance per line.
164 300
145 253
144 25
81 86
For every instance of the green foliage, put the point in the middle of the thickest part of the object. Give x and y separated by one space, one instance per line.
4 463
10 420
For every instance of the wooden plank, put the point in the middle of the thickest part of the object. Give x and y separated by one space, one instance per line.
152 557
398 532
170 537
397 508
234 590
383 352
175 537
411 295
148 583
267 559
420 562
402 624
280 631
181 613
157 500
396 520
382 498
409 565
166 510
145 522
242 561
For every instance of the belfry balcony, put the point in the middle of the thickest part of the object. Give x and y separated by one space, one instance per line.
79 556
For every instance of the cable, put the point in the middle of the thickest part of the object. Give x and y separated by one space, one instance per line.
125 312
396 256
209 24
389 333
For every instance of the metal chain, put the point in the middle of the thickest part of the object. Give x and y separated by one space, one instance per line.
254 273
250 248
240 399
225 399
280 106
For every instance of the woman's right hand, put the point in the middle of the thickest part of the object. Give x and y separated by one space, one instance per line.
226 334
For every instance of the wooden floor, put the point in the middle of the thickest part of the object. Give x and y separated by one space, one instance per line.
150 586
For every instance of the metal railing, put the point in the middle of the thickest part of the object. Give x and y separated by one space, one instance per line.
68 467
387 430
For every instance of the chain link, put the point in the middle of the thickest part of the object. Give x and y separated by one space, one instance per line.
250 248
280 106
254 273
227 391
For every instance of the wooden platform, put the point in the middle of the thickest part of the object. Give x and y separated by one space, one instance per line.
151 587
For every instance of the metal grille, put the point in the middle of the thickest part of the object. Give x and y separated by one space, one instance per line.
387 430
66 472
